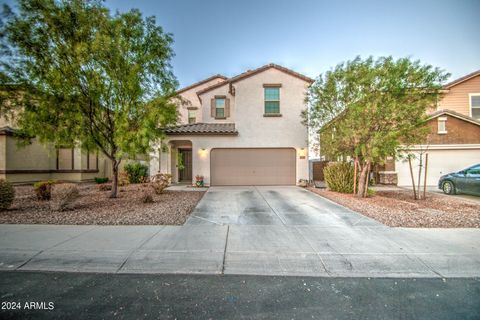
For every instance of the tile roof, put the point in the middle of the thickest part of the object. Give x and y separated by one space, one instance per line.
7 131
453 114
202 129
196 84
255 71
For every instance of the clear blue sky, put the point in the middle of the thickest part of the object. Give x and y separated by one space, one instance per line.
229 37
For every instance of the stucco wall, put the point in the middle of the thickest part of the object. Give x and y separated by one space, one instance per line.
36 162
457 98
191 95
34 156
255 130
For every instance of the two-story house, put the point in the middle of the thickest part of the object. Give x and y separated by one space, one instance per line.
245 130
454 139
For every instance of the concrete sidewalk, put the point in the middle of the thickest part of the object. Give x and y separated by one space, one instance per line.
359 251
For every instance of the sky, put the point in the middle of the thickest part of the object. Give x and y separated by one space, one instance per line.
311 37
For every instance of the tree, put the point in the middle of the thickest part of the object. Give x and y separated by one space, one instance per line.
90 79
366 109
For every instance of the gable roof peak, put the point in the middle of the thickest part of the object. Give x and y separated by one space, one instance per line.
250 73
462 79
199 83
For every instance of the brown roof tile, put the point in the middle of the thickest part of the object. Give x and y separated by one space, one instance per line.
250 73
202 129
217 76
453 114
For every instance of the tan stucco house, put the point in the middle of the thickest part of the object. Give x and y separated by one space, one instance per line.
244 130
36 161
454 140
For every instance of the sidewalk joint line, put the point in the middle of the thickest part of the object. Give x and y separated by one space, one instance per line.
55 245
225 250
135 249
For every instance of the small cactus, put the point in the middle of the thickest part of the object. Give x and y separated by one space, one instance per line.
7 194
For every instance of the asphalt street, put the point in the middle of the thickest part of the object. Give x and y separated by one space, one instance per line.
156 296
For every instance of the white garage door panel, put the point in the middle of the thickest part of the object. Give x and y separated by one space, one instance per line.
253 166
440 162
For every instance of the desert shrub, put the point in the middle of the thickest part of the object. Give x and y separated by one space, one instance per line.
100 180
63 196
105 187
160 181
123 179
147 196
43 189
339 176
136 172
371 192
7 194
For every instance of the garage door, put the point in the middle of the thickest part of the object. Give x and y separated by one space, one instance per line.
243 167
440 162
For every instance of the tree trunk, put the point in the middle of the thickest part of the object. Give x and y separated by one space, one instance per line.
362 179
419 195
115 165
413 180
355 176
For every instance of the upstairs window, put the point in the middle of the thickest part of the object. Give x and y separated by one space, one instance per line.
219 107
442 125
272 100
192 117
475 105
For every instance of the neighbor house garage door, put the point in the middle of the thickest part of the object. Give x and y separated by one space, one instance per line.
440 162
242 167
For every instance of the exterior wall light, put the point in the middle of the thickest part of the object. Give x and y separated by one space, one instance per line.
203 152
302 153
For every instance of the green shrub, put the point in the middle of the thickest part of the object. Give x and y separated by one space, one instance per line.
7 194
100 180
339 176
43 189
136 172
63 196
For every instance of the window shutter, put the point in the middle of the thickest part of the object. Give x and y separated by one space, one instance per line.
212 108
227 108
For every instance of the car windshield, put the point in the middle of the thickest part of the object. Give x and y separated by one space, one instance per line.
470 167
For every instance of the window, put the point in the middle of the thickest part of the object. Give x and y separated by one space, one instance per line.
272 100
219 107
474 171
192 118
475 105
442 125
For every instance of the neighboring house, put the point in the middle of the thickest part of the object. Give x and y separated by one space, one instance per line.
245 130
36 161
454 139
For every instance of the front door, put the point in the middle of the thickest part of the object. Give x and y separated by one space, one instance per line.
185 167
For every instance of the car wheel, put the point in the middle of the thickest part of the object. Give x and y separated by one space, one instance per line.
448 187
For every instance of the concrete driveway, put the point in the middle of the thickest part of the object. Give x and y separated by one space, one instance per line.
262 205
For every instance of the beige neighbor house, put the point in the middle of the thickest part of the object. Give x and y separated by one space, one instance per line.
245 130
454 139
36 161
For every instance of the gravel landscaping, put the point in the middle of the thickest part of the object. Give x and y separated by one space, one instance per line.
396 208
95 207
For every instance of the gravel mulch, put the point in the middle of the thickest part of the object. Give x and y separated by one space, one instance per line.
398 209
95 207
